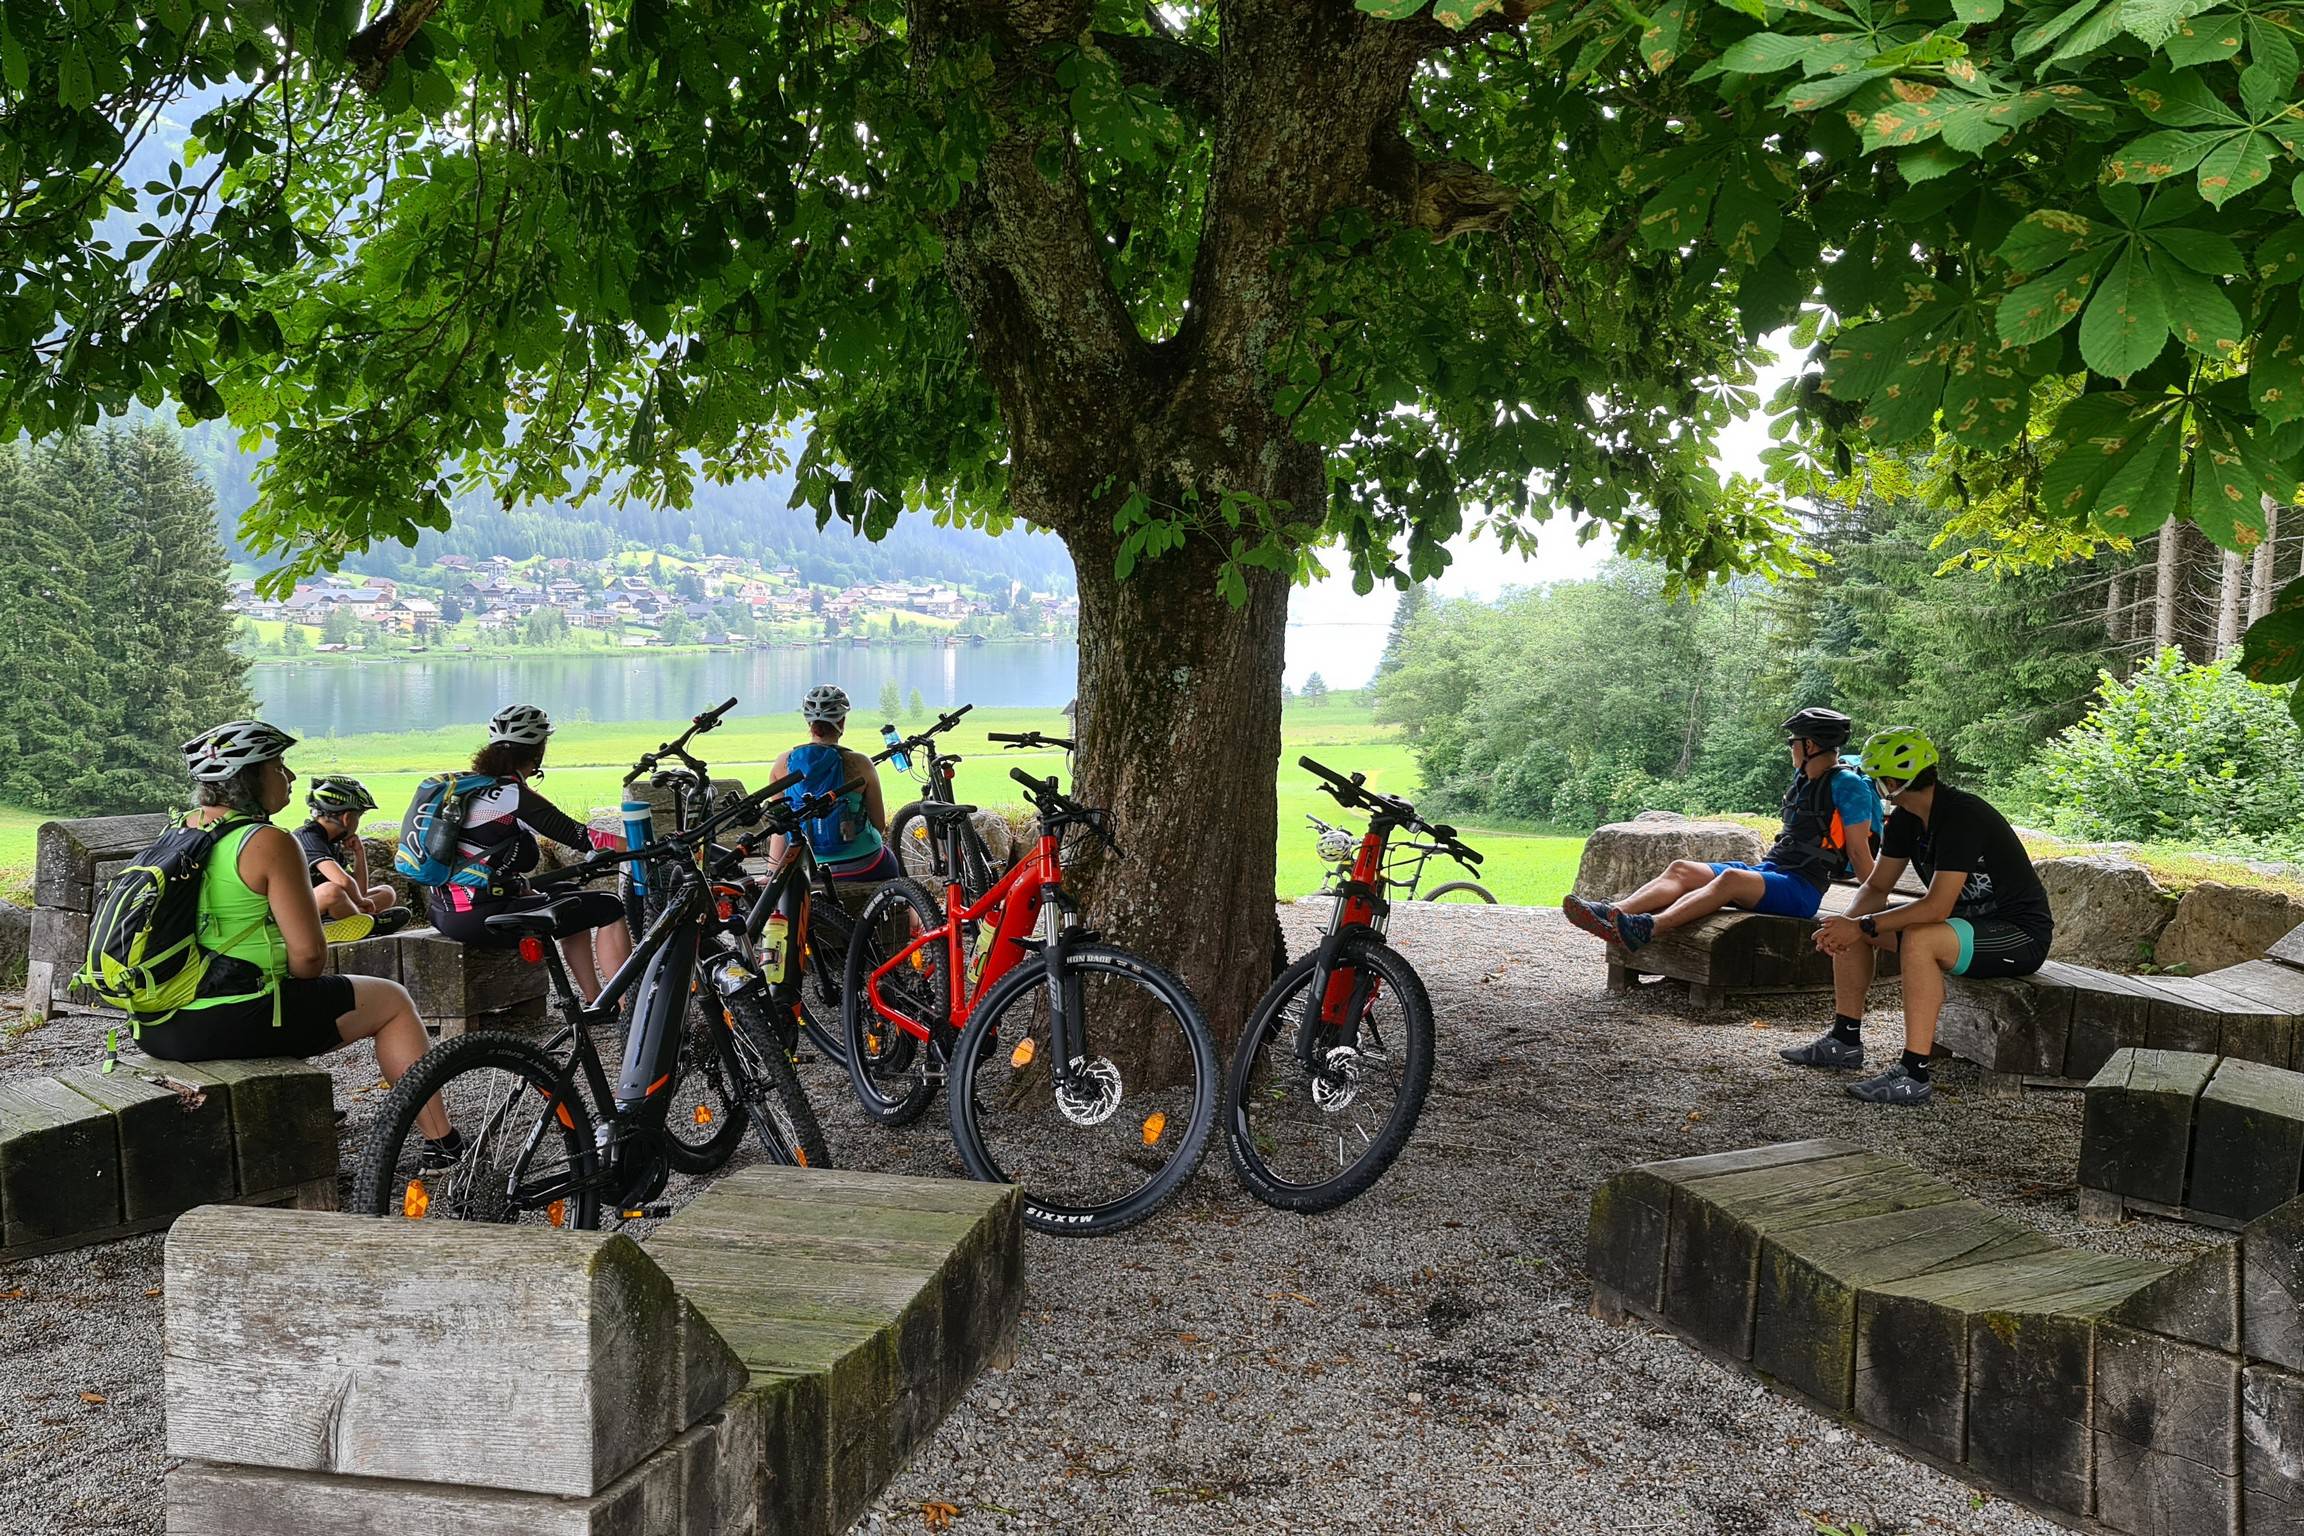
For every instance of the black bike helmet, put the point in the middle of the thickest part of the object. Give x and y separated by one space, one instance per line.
333 794
1825 727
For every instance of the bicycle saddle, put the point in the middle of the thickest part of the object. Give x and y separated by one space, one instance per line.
543 923
933 810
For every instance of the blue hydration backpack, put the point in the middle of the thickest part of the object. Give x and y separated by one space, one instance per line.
434 825
832 835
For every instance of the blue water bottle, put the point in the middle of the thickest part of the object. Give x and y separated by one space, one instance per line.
639 832
896 753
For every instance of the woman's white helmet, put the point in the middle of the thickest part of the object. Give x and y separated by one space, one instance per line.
1336 845
217 755
825 703
523 725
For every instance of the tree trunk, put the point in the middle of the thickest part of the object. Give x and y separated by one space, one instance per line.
2261 581
2169 572
2116 608
2228 604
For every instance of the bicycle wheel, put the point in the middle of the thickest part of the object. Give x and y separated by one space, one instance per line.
528 1154
1309 1143
1461 891
822 970
706 1117
1113 1150
893 1072
779 1109
915 846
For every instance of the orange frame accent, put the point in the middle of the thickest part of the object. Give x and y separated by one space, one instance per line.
1016 896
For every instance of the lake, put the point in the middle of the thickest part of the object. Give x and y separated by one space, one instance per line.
418 693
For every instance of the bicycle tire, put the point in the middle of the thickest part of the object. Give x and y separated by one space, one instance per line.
979 1042
777 1106
1273 1024
823 968
911 841
1460 888
704 1055
878 1054
377 1189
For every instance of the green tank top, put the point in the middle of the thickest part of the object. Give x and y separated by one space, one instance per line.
237 921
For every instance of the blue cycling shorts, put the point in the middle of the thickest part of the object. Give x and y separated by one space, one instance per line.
1784 895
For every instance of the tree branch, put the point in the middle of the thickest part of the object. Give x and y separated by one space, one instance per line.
376 45
1445 198
1166 63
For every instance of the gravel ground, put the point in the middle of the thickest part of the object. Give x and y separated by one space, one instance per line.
1420 1360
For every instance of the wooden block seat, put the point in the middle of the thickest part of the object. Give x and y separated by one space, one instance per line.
764 1364
2147 1398
1734 952
87 1156
456 987
2212 1139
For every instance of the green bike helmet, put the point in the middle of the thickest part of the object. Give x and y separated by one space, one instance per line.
1900 753
333 794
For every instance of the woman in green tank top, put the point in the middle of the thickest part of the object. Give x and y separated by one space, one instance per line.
267 993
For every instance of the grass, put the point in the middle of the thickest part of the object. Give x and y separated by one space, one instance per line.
588 762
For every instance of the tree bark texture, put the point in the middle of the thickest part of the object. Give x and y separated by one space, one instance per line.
2168 571
2261 579
2228 586
1179 719
2116 607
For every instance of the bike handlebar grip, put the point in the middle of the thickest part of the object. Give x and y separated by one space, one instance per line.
782 784
1044 786
711 717
963 709
1008 736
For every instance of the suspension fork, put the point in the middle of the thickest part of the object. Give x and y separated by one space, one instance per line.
1339 993
1067 1030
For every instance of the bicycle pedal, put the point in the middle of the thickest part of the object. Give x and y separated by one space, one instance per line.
655 1212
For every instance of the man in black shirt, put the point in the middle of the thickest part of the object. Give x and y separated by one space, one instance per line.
1984 913
338 862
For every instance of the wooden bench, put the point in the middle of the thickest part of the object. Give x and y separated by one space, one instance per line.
765 1364
2089 1386
1734 952
2060 1025
88 1156
2216 1140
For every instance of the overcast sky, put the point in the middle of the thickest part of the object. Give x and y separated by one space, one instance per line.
1336 632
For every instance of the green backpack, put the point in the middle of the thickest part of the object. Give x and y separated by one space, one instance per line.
144 950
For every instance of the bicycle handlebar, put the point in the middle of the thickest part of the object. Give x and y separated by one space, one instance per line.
1055 806
925 740
1031 739
753 804
678 745
1354 791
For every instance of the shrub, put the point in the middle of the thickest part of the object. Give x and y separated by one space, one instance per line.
2177 753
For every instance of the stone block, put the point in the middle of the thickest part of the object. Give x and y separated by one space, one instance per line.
2217 925
59 1164
2109 910
15 945
2272 1287
283 1114
59 946
317 1343
175 1148
1620 857
2018 1026
2166 1432
68 852
2271 1451
2247 1141
2136 1132
1631 1213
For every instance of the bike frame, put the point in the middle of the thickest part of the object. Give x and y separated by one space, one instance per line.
1340 994
1016 899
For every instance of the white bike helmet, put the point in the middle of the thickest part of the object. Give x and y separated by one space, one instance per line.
826 703
521 724
1336 845
217 755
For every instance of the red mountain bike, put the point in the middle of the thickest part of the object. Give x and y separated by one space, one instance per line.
1080 1073
1332 1070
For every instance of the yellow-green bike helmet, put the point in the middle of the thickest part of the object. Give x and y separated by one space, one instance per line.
1900 753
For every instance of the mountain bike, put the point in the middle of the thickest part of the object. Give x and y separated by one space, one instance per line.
546 1138
1338 846
1331 1072
935 836
1079 1072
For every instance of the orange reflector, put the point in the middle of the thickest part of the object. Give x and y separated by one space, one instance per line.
725 907
415 1200
703 1114
660 1082
920 961
557 1213
532 949
1154 1124
871 1044
800 1156
1023 1054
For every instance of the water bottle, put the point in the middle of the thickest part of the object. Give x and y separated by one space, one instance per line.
639 831
895 744
986 934
776 949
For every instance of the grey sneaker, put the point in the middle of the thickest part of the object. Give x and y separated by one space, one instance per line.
1826 1050
1596 918
1894 1086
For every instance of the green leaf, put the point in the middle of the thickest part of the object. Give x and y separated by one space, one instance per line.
1975 13
2140 493
1676 215
1985 403
2280 258
1391 10
1456 15
2159 155
2205 39
2271 50
2198 311
15 68
2126 323
1903 410
2097 432
2263 88
2296 192
1746 220
2228 486
2041 33
1660 39
2042 239
2180 100
1764 53
74 87
1926 162
2276 361
2203 250
2240 164
2044 306
2272 651
2155 21
1814 95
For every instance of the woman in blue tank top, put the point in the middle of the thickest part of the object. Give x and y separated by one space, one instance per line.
853 844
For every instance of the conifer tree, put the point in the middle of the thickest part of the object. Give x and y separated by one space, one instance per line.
51 683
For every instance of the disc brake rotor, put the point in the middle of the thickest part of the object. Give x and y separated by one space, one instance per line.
1094 1094
1338 1084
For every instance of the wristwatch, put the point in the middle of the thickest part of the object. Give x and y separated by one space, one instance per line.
1870 925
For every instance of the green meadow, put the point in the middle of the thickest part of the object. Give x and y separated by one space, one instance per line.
588 761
